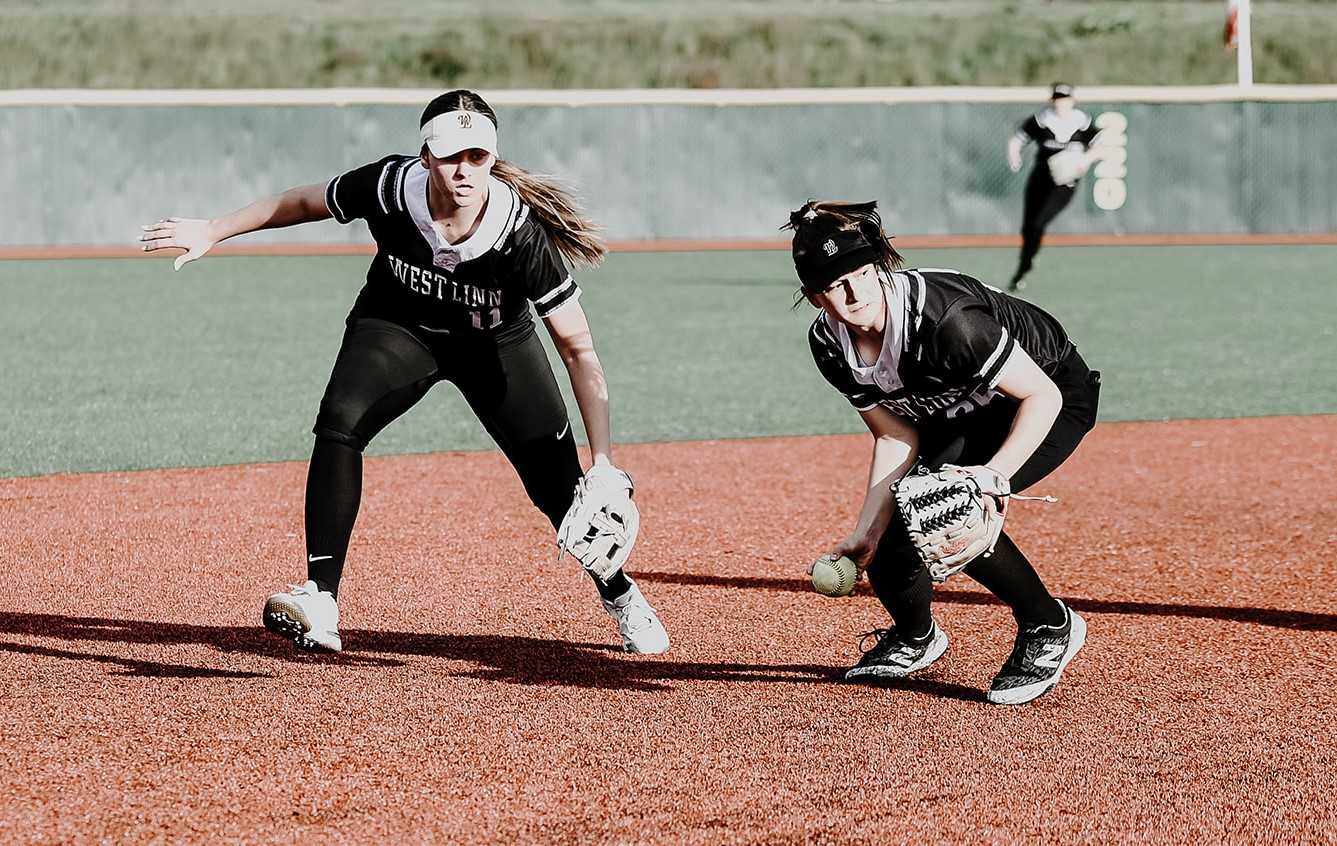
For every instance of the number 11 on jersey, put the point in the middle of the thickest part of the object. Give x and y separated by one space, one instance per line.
493 318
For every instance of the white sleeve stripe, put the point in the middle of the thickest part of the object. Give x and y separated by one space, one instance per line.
922 290
575 295
567 283
380 188
823 332
993 357
399 185
331 192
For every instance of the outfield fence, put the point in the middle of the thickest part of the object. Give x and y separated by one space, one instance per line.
83 168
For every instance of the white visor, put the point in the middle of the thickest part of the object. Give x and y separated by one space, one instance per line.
447 134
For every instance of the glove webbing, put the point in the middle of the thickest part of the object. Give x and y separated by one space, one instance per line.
951 515
929 500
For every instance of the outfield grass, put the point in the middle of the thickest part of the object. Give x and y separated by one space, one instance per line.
122 364
633 43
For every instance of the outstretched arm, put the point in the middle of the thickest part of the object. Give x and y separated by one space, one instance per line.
1014 145
296 205
570 331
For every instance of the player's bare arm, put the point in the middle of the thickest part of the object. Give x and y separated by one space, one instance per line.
570 332
1014 145
303 204
1040 401
895 447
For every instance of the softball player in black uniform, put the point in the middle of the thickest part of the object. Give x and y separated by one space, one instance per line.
1058 127
943 369
465 242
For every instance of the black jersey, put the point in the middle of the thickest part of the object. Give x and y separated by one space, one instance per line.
1053 134
483 285
946 341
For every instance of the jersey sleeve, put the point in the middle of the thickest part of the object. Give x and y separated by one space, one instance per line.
970 345
1029 130
830 360
544 276
364 192
1086 134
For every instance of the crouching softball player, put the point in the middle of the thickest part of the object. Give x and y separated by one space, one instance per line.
943 370
465 242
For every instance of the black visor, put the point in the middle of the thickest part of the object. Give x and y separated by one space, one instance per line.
820 261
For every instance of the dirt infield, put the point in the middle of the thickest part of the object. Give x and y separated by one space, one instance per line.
480 699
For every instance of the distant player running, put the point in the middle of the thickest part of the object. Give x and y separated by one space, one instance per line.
943 369
465 242
1060 128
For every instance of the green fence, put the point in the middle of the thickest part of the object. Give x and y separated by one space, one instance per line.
88 173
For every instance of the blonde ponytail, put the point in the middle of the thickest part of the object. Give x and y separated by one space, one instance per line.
575 236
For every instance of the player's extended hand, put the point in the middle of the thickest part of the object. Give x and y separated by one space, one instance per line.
182 233
856 548
1013 160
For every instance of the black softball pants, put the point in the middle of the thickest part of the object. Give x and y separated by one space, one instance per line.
383 369
1044 200
897 573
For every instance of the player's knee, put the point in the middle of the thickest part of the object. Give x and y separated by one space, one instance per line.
340 420
897 560
896 571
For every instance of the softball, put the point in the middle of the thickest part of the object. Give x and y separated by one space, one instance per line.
832 576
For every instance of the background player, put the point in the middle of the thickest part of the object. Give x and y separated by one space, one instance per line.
465 242
1055 128
943 369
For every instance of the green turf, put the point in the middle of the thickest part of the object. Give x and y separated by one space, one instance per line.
635 43
122 364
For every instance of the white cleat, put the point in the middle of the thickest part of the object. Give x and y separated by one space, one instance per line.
642 633
305 615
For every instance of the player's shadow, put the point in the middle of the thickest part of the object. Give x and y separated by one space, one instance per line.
929 686
505 658
1276 617
134 666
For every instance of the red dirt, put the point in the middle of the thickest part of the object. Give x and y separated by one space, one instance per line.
480 699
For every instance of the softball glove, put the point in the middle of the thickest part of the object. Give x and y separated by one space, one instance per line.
954 515
1068 166
600 527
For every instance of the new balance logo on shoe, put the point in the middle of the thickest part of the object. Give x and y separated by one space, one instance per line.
1053 654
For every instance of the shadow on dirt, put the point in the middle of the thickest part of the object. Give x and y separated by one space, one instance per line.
1276 617
523 660
505 658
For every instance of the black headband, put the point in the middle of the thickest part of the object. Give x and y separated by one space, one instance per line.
821 261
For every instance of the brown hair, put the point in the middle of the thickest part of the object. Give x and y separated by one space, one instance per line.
575 236
816 221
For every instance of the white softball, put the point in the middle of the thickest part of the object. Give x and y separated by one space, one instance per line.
832 576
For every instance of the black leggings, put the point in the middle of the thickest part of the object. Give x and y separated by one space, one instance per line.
1044 200
384 369
896 572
